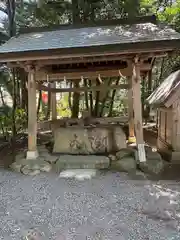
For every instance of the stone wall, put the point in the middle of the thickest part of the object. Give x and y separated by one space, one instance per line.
89 140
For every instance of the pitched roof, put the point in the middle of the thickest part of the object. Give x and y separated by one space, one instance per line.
92 37
166 89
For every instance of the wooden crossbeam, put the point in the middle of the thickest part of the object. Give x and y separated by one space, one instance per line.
81 89
87 59
57 56
91 120
47 125
94 59
91 73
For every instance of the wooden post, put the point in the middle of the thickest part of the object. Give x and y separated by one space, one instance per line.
53 102
132 138
32 115
137 105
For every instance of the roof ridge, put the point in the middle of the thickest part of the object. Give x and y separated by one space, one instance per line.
123 21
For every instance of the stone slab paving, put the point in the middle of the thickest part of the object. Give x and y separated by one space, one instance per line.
109 206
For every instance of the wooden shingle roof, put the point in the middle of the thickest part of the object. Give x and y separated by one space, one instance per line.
94 36
144 35
167 92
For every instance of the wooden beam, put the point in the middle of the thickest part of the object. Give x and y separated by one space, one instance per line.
48 125
60 54
94 67
32 116
75 69
132 138
81 89
87 73
94 59
87 59
92 120
75 76
136 87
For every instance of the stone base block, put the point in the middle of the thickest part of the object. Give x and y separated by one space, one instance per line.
31 167
81 162
89 140
32 154
79 174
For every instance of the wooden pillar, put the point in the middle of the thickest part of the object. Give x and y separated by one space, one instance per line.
53 102
32 115
137 105
132 138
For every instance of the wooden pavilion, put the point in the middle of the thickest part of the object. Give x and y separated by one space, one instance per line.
105 48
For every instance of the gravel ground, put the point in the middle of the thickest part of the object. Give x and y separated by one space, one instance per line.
109 206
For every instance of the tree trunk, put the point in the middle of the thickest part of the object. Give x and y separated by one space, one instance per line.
92 12
18 89
76 98
112 99
149 82
86 96
91 99
11 7
105 98
14 103
161 72
2 97
69 98
24 93
75 12
96 107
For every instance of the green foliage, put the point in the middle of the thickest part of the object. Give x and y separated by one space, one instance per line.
6 81
6 121
63 109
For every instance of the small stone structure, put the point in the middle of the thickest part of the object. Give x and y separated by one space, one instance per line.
89 140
